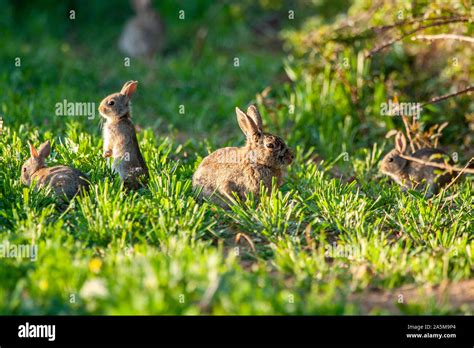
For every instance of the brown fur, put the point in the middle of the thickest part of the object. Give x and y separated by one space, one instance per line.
65 181
143 35
410 174
241 170
120 139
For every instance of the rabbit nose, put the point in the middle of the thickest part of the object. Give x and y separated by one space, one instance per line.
290 156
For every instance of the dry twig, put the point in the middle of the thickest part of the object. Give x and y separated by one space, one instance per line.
434 100
411 32
444 37
460 173
440 165
247 238
409 22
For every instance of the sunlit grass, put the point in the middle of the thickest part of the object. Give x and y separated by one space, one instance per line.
304 249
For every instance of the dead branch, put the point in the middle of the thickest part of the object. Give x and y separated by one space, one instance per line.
434 100
247 238
411 32
460 173
444 37
440 165
409 22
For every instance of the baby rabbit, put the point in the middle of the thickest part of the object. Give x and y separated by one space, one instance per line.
65 181
120 139
143 35
410 174
241 170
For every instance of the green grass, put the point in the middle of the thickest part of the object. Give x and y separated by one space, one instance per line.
304 250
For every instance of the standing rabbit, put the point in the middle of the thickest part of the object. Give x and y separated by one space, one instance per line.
120 139
143 35
241 170
65 181
411 174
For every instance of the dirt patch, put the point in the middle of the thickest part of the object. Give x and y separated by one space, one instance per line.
451 295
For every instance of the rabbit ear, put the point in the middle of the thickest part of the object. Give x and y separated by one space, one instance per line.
33 151
252 111
129 88
400 142
247 124
44 149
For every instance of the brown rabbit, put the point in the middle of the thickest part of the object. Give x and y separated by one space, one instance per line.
241 170
143 35
410 174
65 181
120 139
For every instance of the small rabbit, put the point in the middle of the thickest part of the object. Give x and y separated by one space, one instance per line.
241 170
143 35
410 174
120 139
65 181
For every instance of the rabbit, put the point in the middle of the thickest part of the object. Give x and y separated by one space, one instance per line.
143 35
120 139
411 174
65 181
241 170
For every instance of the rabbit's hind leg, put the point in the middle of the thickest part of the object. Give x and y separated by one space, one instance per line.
226 193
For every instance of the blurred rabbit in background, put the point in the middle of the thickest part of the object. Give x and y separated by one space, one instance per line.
143 35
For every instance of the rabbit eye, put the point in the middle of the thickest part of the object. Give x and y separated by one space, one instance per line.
270 146
110 103
391 159
24 169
